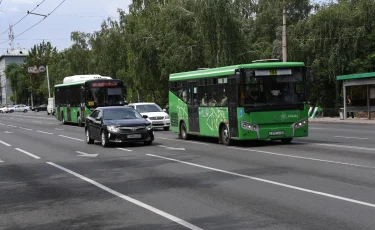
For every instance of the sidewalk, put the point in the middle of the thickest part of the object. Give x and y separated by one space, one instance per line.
337 120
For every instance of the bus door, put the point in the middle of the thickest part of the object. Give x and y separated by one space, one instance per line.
68 101
82 102
193 107
232 107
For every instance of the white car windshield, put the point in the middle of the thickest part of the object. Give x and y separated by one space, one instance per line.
149 108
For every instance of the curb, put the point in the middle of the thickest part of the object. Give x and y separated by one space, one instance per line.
343 122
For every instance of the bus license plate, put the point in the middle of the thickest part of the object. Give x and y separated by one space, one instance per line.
276 133
132 136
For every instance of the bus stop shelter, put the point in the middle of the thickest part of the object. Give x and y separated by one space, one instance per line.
361 79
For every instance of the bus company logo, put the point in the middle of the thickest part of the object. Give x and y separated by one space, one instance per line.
283 116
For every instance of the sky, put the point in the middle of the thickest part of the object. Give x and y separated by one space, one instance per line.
72 15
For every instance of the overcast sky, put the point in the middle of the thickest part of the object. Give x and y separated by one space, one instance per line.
72 15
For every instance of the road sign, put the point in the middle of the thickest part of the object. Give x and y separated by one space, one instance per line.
30 70
35 69
42 68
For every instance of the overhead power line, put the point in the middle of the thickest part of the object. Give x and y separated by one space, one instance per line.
46 16
24 16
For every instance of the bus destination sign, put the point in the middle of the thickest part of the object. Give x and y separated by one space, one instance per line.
273 72
104 84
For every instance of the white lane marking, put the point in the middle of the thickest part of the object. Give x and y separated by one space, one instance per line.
128 150
1 161
20 119
4 143
347 147
44 132
36 121
337 146
71 138
304 158
25 129
271 182
171 148
194 142
27 153
49 123
2 124
8 132
59 129
34 117
129 199
12 126
360 138
86 154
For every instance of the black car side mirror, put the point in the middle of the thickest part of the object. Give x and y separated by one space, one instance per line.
145 116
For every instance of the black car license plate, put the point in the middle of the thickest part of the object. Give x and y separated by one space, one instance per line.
134 136
276 133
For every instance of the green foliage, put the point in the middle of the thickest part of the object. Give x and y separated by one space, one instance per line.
157 38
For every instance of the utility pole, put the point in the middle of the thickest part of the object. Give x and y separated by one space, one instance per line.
284 48
49 90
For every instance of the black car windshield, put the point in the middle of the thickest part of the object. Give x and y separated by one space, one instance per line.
272 90
148 108
120 114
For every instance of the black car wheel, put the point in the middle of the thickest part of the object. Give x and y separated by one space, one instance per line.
148 142
104 139
36 110
88 139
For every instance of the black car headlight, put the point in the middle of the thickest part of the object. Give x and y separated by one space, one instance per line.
149 127
112 128
300 124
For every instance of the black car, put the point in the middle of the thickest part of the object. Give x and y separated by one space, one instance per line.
38 108
118 124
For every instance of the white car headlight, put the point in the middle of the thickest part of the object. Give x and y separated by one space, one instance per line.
112 128
166 117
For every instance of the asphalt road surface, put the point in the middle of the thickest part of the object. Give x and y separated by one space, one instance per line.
51 179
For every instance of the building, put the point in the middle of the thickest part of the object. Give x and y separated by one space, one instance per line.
15 56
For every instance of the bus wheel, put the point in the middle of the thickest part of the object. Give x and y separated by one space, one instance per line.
80 124
224 135
63 118
286 140
183 133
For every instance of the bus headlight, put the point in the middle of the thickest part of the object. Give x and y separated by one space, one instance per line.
300 124
112 128
249 126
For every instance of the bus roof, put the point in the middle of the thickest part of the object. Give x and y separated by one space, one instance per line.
230 70
80 79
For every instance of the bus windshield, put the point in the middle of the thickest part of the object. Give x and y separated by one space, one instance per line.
101 96
272 90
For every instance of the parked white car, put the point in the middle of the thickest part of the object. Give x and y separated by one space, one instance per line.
20 108
156 115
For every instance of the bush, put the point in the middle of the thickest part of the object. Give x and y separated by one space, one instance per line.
330 112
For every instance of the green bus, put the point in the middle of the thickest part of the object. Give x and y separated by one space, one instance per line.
78 95
263 100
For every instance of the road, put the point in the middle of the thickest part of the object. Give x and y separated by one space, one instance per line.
51 179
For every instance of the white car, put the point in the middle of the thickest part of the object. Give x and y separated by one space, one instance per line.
158 117
7 109
20 108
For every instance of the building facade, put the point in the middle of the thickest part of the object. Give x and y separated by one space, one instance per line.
15 56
